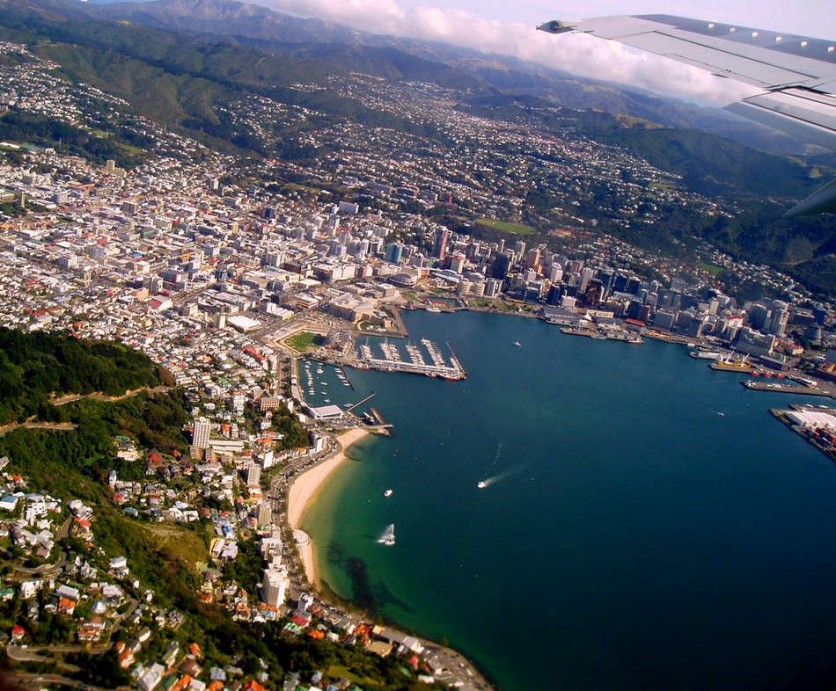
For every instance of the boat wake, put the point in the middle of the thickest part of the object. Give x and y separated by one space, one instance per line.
493 479
388 536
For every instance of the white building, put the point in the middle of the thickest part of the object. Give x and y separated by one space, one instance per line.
274 587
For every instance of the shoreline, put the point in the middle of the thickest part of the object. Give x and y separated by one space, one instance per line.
306 488
302 492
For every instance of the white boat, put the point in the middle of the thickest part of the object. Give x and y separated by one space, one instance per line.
388 537
518 344
705 354
388 493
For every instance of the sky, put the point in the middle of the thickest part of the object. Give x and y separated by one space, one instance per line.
506 27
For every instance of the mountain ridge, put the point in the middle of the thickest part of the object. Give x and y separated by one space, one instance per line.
258 25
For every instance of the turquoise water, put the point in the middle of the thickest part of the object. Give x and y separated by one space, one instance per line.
648 524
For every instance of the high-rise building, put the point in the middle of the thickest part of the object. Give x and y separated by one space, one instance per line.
264 514
442 235
457 262
394 252
780 317
758 316
500 266
532 259
273 587
586 276
492 286
252 475
200 433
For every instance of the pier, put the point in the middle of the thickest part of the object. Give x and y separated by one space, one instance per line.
346 377
359 403
776 387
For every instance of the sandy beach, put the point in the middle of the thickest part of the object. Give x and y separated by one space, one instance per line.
306 487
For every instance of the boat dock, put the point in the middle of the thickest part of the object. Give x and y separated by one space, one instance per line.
415 363
346 377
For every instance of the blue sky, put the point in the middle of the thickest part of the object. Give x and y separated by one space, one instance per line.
507 27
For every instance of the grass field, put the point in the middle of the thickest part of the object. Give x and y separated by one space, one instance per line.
505 227
294 187
185 546
304 341
713 269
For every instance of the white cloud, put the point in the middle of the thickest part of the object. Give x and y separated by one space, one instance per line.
577 54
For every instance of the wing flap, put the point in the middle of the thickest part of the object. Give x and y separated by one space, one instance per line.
814 108
720 62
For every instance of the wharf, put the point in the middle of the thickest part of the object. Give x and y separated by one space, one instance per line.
623 336
577 331
776 387
819 438
670 338
603 334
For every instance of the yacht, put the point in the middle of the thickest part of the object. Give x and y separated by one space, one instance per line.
388 537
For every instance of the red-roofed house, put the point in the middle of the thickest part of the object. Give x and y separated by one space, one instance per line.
66 606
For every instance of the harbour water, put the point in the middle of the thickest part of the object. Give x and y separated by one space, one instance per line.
643 522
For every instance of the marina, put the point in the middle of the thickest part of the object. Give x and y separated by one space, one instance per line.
414 362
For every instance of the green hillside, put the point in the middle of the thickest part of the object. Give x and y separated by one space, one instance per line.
36 367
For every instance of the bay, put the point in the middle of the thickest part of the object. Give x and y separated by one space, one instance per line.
646 523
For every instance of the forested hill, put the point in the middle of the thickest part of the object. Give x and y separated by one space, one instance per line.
188 84
36 367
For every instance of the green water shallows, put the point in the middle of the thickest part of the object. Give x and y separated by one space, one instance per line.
646 524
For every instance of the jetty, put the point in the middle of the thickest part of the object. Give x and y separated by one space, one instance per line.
781 387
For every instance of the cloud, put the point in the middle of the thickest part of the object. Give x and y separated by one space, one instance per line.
577 54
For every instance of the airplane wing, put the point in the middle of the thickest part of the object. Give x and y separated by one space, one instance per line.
797 73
